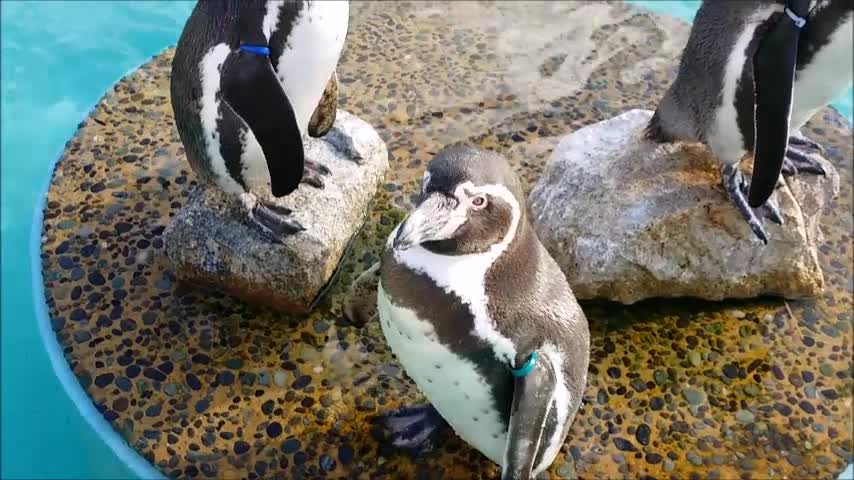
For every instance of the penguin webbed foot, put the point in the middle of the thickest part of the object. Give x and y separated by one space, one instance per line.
804 143
799 158
313 172
273 221
737 189
411 430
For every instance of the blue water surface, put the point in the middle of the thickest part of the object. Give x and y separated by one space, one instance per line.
58 59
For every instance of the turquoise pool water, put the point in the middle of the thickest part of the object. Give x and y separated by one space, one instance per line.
58 58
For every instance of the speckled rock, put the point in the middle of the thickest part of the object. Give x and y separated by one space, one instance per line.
210 241
629 220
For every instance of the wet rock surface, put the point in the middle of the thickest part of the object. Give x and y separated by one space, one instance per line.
211 243
627 220
509 76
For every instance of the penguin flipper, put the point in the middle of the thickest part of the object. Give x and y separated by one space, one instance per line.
252 90
774 77
324 115
529 414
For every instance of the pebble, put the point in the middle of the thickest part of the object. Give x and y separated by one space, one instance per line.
241 447
669 465
171 389
810 391
274 429
694 458
566 470
731 371
751 390
807 407
830 394
695 358
193 381
234 363
738 314
279 378
745 416
327 464
642 434
291 445
345 454
693 396
660 377
624 445
825 369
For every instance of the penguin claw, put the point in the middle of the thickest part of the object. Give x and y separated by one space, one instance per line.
797 161
805 143
737 189
412 430
317 167
273 223
311 179
312 173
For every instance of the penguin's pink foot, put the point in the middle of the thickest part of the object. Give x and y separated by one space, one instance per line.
412 430
737 188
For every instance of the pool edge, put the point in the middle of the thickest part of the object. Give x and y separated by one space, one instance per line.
130 457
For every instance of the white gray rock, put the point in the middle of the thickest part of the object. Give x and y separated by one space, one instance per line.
210 242
629 220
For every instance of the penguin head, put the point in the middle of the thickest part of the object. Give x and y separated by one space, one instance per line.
470 201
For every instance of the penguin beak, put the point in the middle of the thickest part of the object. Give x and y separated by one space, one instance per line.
435 218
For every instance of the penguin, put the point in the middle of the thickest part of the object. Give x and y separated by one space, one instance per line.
750 76
250 79
481 318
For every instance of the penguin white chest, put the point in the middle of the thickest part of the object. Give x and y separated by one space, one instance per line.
451 383
311 54
826 76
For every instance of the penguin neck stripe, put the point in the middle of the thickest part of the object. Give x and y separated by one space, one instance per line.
256 49
799 22
525 369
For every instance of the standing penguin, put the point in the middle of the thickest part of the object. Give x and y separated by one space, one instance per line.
481 318
250 79
751 73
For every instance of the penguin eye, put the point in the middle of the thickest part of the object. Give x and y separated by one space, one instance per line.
479 201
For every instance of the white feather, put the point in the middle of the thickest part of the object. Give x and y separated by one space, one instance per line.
271 18
464 275
827 76
456 390
724 138
210 68
311 55
561 398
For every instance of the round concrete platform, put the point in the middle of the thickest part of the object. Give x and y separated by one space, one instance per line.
206 386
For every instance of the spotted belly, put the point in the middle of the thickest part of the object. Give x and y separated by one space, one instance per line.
451 383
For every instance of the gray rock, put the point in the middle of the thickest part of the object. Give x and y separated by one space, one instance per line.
629 220
211 243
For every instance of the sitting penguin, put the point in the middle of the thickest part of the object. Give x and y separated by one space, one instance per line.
481 318
250 79
752 73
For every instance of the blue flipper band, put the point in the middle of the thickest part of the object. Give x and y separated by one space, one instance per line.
526 368
799 22
256 49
